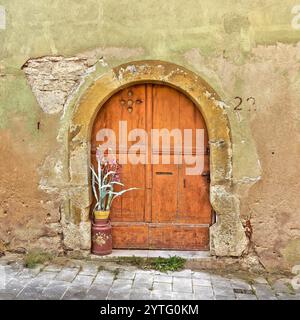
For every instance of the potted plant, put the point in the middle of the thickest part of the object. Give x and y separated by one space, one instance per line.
104 180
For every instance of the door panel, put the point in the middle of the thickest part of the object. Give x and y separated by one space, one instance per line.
164 192
131 205
171 209
182 237
130 235
165 115
193 187
127 105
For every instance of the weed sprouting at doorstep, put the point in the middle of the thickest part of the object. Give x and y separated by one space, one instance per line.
173 263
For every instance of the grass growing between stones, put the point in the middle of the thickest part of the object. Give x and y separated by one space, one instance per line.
35 257
173 263
168 264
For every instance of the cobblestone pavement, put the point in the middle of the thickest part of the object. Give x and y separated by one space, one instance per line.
123 283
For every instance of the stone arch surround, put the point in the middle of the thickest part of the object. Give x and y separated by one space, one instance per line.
227 236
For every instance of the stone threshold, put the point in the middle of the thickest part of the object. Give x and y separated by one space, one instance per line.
189 255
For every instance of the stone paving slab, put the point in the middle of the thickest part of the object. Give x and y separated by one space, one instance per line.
97 292
245 297
201 282
221 283
53 268
89 269
203 296
240 284
203 291
124 274
224 297
182 296
121 283
28 273
162 286
161 295
6 296
288 297
201 275
162 278
15 286
42 279
140 294
83 280
143 281
182 274
119 293
280 285
75 292
182 285
104 276
30 293
67 274
55 290
223 291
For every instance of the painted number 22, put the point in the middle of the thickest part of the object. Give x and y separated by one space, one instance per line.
251 102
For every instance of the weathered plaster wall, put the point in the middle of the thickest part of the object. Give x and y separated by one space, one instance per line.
241 48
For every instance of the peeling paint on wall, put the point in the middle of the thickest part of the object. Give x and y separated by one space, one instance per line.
54 79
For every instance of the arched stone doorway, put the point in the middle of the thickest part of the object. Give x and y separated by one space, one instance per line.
227 237
171 207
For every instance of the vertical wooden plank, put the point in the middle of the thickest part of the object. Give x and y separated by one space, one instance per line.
148 129
165 113
132 175
165 176
194 204
148 189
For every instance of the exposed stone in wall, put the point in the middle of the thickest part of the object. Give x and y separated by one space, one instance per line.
54 78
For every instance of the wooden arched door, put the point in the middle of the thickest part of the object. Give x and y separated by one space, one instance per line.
170 210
